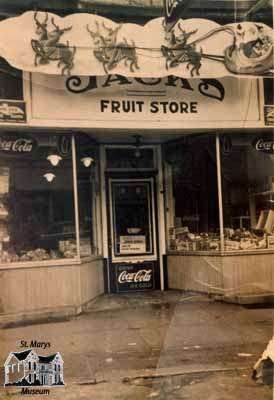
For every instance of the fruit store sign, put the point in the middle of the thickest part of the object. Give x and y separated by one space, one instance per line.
94 101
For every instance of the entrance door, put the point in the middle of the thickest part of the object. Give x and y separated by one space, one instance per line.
133 239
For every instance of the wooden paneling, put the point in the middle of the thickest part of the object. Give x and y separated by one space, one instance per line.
44 292
239 278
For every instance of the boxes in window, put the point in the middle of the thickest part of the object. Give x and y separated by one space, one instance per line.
266 221
270 242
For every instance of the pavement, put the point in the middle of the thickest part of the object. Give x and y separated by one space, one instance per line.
162 346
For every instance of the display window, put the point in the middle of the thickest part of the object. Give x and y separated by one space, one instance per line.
87 184
39 218
247 162
191 195
235 214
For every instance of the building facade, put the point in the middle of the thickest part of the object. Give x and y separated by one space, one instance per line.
26 368
115 183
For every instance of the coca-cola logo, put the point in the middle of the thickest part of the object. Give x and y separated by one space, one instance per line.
144 275
264 145
17 144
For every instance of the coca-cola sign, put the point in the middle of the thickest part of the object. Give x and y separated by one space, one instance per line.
17 144
264 145
135 277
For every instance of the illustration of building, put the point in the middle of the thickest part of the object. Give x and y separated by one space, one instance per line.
26 368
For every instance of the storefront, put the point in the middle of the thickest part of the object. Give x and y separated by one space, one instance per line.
117 183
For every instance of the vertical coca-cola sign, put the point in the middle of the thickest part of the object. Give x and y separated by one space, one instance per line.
135 277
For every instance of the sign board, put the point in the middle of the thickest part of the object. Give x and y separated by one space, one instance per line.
268 101
120 101
13 143
269 115
132 244
135 277
173 10
12 111
264 144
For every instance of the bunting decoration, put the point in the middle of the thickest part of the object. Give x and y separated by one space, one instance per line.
88 45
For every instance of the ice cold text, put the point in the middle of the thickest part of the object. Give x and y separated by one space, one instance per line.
154 107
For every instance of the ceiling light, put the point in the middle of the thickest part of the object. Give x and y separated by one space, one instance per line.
49 177
87 161
54 159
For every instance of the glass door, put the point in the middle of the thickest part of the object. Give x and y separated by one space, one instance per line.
132 237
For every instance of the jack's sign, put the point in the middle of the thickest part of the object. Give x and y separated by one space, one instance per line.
122 100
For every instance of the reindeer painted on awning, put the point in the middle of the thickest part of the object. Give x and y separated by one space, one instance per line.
109 51
47 48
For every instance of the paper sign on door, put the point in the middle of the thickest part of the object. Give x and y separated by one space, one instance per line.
132 244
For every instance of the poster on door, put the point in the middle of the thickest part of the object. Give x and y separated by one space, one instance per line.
132 244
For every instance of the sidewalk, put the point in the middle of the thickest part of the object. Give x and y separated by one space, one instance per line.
168 345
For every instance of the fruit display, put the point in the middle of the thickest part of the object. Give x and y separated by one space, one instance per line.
68 249
242 239
184 240
181 239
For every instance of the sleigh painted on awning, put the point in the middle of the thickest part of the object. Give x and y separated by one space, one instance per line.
87 44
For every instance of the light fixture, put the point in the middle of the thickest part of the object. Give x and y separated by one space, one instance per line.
137 152
49 177
87 161
54 159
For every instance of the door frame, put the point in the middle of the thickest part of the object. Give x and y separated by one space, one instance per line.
160 213
154 240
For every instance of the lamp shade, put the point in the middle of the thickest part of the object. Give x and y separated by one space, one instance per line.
49 177
87 161
54 159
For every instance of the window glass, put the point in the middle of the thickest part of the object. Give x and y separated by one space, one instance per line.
11 85
87 161
191 194
248 187
130 158
37 219
132 217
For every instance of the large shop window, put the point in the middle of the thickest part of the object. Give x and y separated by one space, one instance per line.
37 200
191 195
87 177
248 189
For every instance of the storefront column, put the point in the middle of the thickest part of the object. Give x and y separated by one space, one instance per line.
161 214
75 193
220 193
